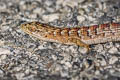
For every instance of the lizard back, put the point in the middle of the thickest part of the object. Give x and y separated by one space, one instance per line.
87 34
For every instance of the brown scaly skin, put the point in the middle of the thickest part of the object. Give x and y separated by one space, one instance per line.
82 36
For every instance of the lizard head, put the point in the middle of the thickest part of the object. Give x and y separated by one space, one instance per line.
34 28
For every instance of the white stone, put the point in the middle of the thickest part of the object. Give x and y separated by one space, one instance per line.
117 45
71 3
1 42
81 11
113 50
109 45
99 48
112 71
50 18
83 50
38 11
3 54
22 3
33 16
54 57
20 76
103 63
48 3
64 73
4 28
58 68
68 64
97 72
81 18
58 2
91 18
2 6
1 72
4 51
41 47
113 60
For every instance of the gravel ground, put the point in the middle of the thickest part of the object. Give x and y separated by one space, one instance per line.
23 57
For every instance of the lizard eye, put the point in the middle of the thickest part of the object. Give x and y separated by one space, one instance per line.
23 26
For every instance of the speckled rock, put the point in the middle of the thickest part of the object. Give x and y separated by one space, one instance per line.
113 50
23 57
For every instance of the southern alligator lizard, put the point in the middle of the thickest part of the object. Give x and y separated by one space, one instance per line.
82 36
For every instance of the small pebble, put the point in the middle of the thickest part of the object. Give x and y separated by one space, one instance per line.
117 45
103 62
19 75
33 16
38 11
64 73
2 42
113 60
68 64
91 18
83 50
71 3
4 51
97 72
2 57
81 11
4 28
113 50
50 18
112 71
99 47
109 45
1 72
54 57
48 3
81 18
2 6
